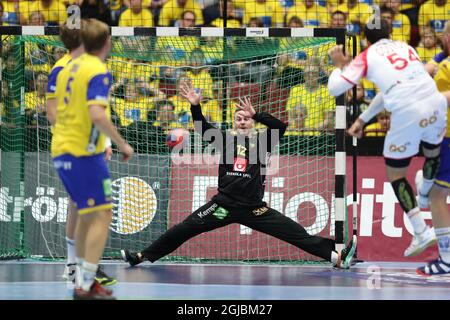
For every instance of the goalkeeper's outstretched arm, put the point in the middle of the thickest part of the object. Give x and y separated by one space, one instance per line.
200 123
271 122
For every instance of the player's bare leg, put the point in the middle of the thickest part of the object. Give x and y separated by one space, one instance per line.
69 271
91 234
423 235
441 222
425 178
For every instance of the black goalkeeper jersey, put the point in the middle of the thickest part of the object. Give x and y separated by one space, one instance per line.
244 159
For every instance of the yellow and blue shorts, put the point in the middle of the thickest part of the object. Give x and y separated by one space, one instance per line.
443 175
86 180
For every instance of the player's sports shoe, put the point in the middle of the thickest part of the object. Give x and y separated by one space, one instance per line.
436 267
103 279
346 256
97 292
420 242
69 272
422 200
131 257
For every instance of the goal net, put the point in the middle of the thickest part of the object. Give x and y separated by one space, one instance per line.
283 75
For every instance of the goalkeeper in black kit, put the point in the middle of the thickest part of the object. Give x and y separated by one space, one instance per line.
244 156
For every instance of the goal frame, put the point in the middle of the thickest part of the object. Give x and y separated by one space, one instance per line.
340 114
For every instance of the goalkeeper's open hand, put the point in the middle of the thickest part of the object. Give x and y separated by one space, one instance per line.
245 105
188 92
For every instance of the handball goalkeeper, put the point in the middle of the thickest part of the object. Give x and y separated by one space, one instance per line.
241 189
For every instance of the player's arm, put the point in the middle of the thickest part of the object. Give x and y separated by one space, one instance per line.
375 107
108 149
51 104
271 122
51 101
446 94
97 100
98 116
432 66
200 123
341 80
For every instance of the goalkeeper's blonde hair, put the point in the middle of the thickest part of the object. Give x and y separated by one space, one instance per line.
94 35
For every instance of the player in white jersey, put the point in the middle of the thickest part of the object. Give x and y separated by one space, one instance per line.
418 115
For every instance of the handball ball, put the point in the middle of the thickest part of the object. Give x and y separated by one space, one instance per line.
176 137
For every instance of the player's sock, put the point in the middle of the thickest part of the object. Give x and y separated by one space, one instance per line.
87 275
79 262
425 187
443 237
334 257
417 220
71 252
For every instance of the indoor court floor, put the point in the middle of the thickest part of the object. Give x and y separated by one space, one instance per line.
36 280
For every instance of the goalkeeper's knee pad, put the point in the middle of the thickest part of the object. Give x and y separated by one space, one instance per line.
431 167
405 194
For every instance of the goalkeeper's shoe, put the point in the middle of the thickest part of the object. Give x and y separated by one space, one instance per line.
131 257
346 255
422 200
420 242
97 292
69 272
103 279
436 267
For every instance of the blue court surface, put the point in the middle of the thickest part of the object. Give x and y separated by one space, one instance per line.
31 280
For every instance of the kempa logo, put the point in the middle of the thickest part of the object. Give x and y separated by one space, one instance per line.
211 209
134 201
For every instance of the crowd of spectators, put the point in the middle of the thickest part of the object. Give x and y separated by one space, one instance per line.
290 84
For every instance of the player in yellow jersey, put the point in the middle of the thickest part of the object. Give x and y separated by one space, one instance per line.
311 14
357 15
269 11
72 41
314 101
136 16
434 14
441 187
428 47
54 11
172 11
82 126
